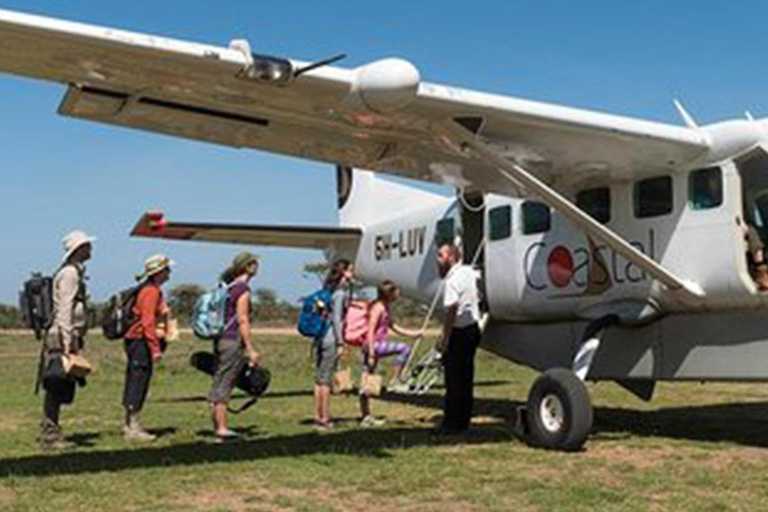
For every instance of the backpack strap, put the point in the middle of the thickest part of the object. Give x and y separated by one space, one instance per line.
247 405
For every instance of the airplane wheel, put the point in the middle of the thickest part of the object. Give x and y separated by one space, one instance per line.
559 411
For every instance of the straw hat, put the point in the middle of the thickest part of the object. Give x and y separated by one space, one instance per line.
73 241
154 265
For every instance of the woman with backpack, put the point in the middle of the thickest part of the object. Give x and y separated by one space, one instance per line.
234 349
329 347
143 346
377 346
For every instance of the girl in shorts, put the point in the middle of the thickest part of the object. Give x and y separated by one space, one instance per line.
330 347
234 349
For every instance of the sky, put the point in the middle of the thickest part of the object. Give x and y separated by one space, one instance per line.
58 174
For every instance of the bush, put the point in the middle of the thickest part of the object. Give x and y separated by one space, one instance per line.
10 317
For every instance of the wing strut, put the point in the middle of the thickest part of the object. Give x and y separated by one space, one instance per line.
517 174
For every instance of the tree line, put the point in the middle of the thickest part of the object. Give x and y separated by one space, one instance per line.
267 306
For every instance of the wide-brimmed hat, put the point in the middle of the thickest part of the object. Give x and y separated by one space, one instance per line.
73 241
244 259
239 264
154 265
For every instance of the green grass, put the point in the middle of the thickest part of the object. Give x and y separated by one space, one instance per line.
695 448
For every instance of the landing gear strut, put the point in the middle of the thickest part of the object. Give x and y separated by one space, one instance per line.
559 411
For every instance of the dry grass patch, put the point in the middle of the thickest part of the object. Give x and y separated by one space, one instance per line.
638 458
283 499
10 422
6 498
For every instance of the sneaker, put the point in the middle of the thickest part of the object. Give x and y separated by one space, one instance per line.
137 434
227 436
400 388
370 421
323 426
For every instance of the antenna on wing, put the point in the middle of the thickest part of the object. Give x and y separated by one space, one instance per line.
316 65
749 116
689 122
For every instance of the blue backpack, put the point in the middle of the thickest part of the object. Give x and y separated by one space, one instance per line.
209 315
313 318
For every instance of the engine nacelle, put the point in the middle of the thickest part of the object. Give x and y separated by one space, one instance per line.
385 85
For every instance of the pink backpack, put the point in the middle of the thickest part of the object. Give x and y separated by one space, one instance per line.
356 323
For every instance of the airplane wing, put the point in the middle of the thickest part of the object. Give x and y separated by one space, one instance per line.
154 225
380 116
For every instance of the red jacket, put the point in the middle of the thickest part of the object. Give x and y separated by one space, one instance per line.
149 307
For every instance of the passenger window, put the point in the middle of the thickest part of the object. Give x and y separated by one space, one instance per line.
705 188
500 222
536 218
596 202
446 229
653 197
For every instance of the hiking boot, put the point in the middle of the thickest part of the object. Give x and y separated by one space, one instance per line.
51 437
132 430
370 421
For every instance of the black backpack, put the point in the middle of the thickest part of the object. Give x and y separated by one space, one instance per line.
36 303
118 313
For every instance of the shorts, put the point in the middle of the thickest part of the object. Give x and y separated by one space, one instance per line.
325 352
229 362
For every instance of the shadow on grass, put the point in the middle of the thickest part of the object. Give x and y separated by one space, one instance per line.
374 443
204 398
740 423
84 439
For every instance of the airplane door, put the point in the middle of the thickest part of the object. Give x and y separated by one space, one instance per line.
473 236
472 230
500 268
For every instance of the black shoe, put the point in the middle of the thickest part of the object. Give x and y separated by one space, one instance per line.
443 431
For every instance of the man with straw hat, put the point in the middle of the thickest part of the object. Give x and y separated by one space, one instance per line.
67 332
143 347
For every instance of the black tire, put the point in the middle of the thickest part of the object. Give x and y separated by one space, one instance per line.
565 420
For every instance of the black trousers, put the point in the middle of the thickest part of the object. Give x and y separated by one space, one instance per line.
138 373
459 362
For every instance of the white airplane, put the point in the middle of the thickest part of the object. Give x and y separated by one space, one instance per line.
610 248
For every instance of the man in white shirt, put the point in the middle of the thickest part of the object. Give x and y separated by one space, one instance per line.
461 336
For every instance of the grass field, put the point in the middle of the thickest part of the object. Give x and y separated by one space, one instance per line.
695 448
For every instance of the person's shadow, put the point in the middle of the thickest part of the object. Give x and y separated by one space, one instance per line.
375 443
